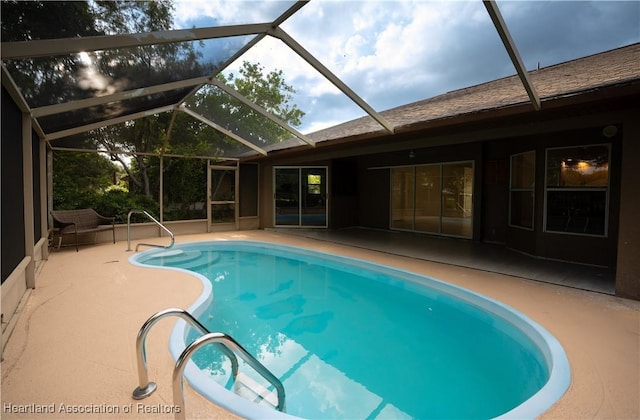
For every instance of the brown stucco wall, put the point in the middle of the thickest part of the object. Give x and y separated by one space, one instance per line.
568 247
266 196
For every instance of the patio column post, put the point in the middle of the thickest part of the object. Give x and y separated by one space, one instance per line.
209 198
44 214
628 264
161 195
27 172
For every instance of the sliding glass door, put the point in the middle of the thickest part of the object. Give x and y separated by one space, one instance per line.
402 198
428 198
300 197
434 198
287 196
457 199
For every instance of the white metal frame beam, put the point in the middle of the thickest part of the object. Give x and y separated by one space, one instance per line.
130 117
259 36
63 46
124 152
316 64
262 111
284 16
510 46
53 47
223 130
120 96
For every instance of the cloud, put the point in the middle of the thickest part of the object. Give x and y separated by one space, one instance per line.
226 12
394 55
553 32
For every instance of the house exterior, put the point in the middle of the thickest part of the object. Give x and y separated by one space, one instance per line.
477 164
482 164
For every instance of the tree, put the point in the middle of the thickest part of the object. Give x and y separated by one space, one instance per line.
134 140
184 178
56 79
134 145
78 177
269 91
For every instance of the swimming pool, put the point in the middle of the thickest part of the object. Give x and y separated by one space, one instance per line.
352 339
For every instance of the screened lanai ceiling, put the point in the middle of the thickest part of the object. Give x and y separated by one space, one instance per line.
182 66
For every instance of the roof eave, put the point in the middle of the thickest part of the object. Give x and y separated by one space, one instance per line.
523 109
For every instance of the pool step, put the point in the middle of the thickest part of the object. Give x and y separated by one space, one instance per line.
200 262
253 391
171 257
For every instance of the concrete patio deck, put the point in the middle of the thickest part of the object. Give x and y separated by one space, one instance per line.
73 347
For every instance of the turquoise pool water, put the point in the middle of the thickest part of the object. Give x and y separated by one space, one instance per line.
351 339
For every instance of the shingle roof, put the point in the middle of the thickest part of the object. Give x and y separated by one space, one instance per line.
585 74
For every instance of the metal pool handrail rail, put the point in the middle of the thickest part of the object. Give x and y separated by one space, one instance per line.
146 388
155 221
233 345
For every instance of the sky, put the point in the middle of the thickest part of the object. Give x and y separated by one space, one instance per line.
395 52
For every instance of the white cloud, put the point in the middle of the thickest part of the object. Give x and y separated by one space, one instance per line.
374 47
227 12
189 10
320 125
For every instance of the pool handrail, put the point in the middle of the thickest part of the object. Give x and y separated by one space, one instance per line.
232 345
153 219
145 387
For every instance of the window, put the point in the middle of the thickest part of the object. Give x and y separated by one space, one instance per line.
522 190
577 190
433 198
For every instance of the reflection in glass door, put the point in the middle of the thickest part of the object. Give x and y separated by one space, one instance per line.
457 199
428 198
402 198
313 208
287 193
435 198
300 196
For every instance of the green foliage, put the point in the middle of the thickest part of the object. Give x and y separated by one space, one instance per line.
47 80
185 183
79 176
27 20
269 91
85 179
118 202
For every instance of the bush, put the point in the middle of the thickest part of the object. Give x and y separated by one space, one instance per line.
117 202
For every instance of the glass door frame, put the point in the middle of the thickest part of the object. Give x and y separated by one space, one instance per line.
300 194
211 202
